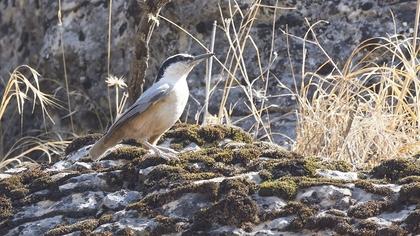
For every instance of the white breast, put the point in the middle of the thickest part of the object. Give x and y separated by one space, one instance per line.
167 111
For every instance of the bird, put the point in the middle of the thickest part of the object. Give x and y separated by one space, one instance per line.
155 111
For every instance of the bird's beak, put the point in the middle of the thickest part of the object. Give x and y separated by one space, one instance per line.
199 58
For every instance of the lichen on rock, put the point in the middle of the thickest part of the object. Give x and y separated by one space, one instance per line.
230 184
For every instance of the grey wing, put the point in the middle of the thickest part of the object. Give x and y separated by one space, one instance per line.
148 98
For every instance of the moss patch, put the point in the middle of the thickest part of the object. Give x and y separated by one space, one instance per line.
368 186
240 186
280 168
20 185
126 153
184 134
396 169
80 142
335 223
85 226
368 209
235 209
164 176
412 222
285 189
157 200
410 192
6 208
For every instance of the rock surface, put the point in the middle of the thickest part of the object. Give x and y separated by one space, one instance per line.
30 34
230 186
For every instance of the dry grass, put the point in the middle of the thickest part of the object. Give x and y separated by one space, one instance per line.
366 112
22 88
363 113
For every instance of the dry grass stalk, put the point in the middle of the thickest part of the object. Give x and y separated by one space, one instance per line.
21 88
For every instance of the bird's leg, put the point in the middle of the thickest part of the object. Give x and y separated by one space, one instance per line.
157 152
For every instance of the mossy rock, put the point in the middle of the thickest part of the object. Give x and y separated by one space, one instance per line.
412 222
164 176
288 186
368 209
20 185
184 134
80 142
235 209
85 226
294 167
409 179
368 186
6 208
126 153
410 192
237 185
338 224
156 200
396 169
339 165
285 189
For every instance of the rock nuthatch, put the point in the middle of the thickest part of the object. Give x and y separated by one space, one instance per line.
155 111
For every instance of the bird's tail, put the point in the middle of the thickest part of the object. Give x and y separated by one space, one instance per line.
99 148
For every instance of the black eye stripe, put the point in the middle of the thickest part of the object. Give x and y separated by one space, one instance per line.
169 61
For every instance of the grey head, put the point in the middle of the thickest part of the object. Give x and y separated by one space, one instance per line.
180 65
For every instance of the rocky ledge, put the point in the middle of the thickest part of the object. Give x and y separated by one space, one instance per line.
222 184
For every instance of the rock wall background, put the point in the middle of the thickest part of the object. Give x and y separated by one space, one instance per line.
30 34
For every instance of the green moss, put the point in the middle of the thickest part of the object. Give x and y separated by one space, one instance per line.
288 186
265 175
126 153
20 185
85 225
391 230
276 152
409 179
343 166
165 176
183 134
235 209
237 156
166 225
8 185
329 222
6 208
368 209
125 232
80 142
301 211
369 187
238 185
153 201
396 169
366 227
296 167
412 222
410 192
286 189
302 214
